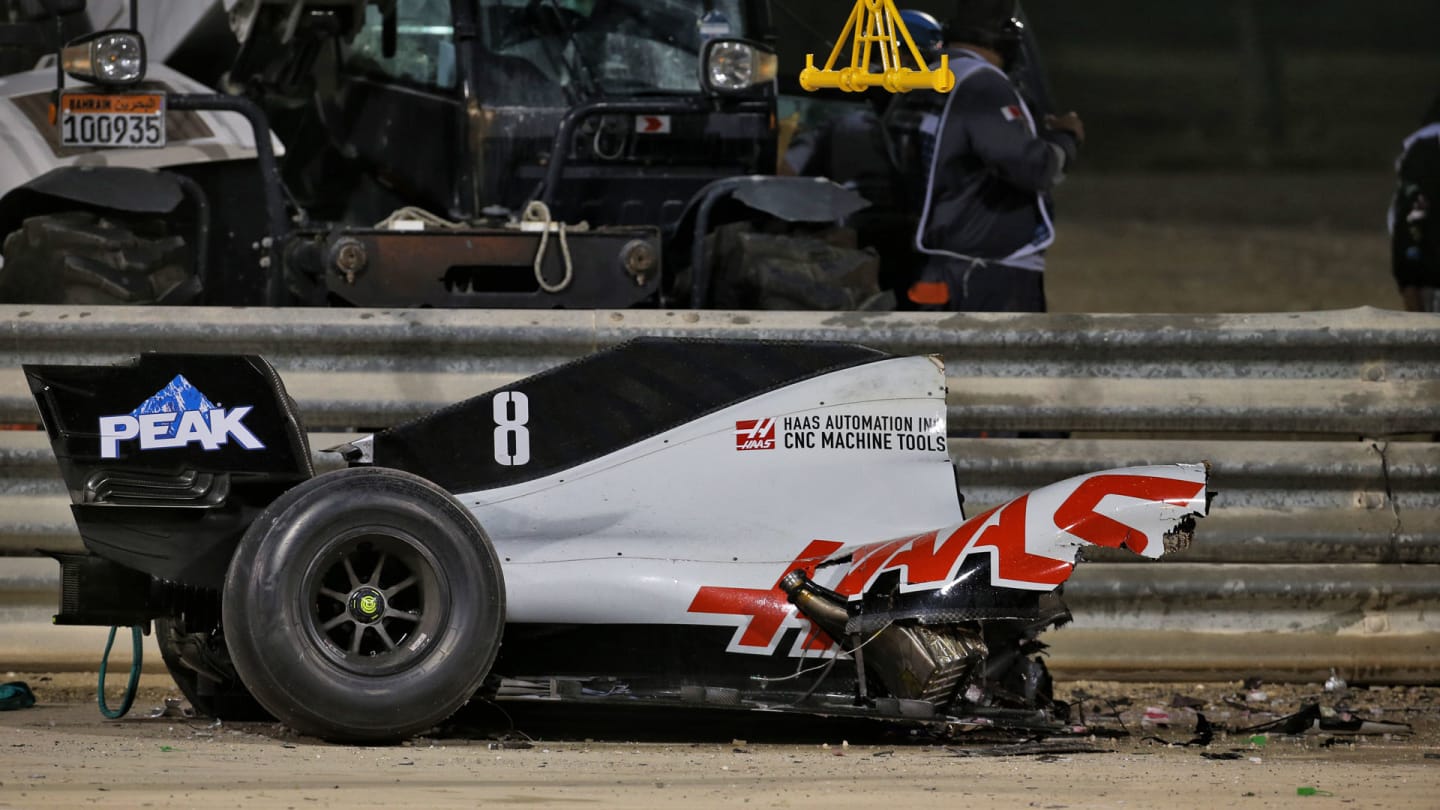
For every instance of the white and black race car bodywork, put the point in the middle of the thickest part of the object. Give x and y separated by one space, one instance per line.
668 522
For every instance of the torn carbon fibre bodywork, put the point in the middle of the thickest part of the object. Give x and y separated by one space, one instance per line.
932 605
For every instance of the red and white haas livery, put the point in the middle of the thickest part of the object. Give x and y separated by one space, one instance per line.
673 523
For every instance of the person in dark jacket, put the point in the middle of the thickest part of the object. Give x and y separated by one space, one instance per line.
980 167
1414 222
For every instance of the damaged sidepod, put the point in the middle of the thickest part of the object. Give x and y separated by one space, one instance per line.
950 617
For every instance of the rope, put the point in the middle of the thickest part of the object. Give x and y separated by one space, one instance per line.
411 213
537 211
136 657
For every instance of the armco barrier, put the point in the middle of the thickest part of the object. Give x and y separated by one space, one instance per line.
1363 372
1322 548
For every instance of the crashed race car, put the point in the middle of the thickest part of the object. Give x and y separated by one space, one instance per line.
723 525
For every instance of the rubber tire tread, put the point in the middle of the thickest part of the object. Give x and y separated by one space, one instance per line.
290 675
229 701
47 257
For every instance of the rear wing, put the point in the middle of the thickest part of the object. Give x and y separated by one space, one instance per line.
167 414
169 457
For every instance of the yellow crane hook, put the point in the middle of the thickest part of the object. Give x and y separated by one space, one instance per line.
876 22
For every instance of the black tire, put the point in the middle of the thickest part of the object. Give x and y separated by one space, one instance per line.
794 271
364 605
200 665
79 257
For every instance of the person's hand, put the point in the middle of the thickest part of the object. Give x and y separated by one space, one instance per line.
1069 122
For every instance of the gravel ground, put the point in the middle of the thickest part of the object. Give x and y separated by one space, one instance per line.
62 753
1210 242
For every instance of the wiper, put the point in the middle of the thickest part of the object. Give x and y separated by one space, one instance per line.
578 66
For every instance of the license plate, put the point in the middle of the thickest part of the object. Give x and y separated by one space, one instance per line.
115 120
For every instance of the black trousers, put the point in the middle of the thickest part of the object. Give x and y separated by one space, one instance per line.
984 287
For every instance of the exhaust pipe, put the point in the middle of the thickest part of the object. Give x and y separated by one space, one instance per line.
914 662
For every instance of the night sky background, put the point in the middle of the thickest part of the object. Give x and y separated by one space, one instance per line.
1215 84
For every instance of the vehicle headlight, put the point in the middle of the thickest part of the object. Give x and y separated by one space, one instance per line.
107 57
735 65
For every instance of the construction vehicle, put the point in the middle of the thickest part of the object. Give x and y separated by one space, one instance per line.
29 29
487 153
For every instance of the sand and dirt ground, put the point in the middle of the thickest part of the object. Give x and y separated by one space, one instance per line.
1207 242
63 754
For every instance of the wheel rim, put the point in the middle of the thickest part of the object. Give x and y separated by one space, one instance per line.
375 600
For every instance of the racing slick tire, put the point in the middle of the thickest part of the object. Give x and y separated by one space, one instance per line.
201 669
364 605
79 257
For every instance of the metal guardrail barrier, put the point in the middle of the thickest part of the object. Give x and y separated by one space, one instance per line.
1322 544
1360 372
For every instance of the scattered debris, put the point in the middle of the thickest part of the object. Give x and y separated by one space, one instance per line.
1204 735
16 695
1335 684
1253 692
1312 719
1155 716
173 707
1363 715
1179 701
1026 749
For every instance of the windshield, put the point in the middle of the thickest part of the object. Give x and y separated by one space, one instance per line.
424 44
594 48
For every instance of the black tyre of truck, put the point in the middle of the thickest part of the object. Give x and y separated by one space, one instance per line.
364 605
200 666
80 257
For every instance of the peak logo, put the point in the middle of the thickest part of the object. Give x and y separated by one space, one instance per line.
755 434
178 415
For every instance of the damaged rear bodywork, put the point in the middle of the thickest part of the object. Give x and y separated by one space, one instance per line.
951 617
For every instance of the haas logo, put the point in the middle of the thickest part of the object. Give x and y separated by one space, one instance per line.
755 434
1031 544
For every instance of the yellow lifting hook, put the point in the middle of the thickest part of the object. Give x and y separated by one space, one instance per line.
877 21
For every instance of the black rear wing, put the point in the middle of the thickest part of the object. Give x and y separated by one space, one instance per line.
168 458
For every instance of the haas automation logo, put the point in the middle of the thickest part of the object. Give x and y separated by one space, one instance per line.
755 434
178 415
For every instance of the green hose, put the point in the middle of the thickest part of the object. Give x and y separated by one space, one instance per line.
132 686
